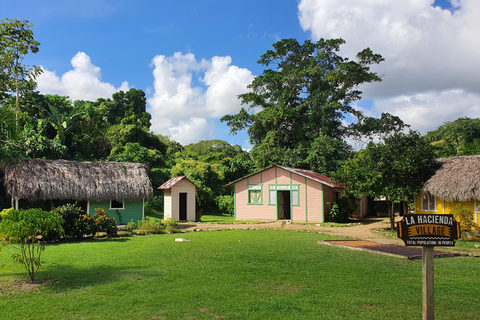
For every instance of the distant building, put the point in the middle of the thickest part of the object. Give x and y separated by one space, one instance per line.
179 199
282 193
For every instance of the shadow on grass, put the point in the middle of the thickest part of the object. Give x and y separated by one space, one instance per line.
90 240
60 277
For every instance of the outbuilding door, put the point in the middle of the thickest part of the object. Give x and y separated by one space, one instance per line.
182 206
284 205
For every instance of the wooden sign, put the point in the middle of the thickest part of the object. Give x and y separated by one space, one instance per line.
428 230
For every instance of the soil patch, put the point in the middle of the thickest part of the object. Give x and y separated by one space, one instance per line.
386 249
17 287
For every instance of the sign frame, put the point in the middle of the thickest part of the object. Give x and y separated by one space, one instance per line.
429 230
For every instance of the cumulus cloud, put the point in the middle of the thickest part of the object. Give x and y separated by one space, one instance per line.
427 110
430 53
194 130
189 94
81 83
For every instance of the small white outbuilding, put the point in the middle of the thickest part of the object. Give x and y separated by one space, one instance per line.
179 199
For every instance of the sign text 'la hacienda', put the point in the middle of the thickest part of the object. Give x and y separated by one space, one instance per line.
428 230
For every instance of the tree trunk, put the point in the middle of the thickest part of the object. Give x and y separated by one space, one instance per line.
391 214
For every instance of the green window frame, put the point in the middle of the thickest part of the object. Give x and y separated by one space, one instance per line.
294 193
255 194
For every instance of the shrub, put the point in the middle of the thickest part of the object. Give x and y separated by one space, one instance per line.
226 204
465 217
104 223
150 227
76 224
131 226
4 212
342 209
170 225
27 228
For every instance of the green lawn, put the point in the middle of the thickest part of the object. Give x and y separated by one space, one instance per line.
236 274
220 218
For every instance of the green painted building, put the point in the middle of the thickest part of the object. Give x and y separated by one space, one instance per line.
119 188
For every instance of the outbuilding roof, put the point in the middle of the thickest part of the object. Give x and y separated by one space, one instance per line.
457 179
36 180
302 172
170 183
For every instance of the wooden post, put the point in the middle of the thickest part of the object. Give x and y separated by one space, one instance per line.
428 287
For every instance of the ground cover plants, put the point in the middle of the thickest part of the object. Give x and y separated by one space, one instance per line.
235 274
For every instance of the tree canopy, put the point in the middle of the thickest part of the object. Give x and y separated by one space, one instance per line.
456 138
301 104
16 41
394 168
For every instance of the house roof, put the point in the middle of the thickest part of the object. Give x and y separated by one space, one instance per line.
302 172
36 180
170 183
457 179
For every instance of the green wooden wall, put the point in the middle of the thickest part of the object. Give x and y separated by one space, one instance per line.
132 211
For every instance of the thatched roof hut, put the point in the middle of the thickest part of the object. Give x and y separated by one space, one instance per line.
457 179
36 180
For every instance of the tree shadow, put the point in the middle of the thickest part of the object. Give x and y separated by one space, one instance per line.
103 239
62 277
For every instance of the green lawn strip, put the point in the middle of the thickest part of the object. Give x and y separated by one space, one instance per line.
222 218
235 274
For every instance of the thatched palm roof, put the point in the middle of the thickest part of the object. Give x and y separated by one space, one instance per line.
36 180
457 179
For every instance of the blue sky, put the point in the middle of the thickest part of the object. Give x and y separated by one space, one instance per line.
193 57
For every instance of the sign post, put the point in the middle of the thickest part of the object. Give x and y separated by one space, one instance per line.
428 231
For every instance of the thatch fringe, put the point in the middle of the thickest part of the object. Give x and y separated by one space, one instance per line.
458 179
36 180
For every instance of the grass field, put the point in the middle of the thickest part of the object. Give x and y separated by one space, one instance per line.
237 274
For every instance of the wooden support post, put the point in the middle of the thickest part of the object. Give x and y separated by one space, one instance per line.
428 287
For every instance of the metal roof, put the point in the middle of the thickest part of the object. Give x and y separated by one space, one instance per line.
314 176
302 172
170 183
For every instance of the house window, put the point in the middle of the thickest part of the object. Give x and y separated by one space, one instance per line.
114 204
273 197
254 194
429 202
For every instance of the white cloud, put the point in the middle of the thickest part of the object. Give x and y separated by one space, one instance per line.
427 110
430 73
194 130
183 108
81 83
224 83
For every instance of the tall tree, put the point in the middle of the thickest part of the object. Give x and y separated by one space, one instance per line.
128 104
304 99
16 41
395 168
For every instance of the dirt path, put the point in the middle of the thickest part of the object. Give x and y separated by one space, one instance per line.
367 229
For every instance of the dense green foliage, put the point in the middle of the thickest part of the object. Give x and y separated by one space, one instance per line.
103 223
26 228
236 274
295 113
395 168
342 209
457 138
76 224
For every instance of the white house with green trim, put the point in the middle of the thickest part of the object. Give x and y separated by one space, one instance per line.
282 193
